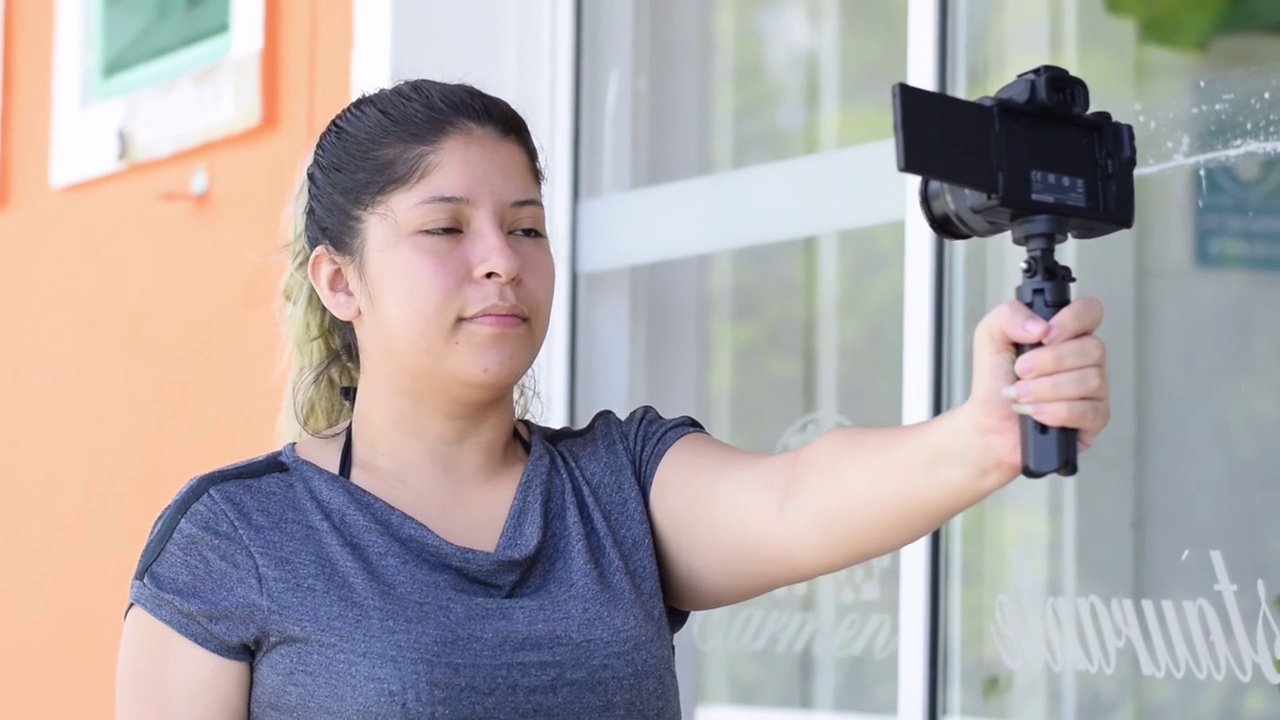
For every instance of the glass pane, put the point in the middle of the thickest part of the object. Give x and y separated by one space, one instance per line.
1146 586
136 43
768 346
672 89
138 31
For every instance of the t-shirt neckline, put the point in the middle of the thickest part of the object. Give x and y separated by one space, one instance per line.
516 541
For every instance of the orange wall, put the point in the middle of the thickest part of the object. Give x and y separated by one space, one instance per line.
138 345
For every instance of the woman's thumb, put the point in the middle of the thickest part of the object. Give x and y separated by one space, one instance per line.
996 338
1008 324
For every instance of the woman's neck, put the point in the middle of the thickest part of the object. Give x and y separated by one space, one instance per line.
408 439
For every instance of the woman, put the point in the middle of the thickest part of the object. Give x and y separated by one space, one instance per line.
423 552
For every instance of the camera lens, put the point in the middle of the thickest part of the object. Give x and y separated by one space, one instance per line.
950 211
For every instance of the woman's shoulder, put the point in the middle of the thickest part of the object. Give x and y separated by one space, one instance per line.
252 476
240 503
238 493
612 424
637 437
228 475
197 571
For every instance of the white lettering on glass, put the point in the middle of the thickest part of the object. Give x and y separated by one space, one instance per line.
860 621
856 633
1200 637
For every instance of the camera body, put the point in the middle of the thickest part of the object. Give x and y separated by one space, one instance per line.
1032 149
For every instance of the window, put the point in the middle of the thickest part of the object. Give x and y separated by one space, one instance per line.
140 80
1147 586
739 258
134 43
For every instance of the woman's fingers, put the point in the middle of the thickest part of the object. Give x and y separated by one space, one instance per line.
1087 383
1087 416
1065 356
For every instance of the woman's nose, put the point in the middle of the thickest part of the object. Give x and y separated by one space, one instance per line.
496 259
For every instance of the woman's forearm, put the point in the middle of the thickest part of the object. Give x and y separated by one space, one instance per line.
857 493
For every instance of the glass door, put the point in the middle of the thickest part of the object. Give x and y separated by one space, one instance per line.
1149 585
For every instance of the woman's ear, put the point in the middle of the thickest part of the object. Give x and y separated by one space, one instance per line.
331 279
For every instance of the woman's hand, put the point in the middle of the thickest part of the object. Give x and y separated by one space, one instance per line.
1062 384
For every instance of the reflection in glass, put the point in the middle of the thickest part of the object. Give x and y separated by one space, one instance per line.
139 31
133 44
672 89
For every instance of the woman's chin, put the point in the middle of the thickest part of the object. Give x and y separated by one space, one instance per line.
493 378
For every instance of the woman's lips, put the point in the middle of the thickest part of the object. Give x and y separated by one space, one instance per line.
498 320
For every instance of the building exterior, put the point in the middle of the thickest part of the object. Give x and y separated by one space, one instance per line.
141 343
735 242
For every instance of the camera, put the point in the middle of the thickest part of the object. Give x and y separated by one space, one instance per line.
1030 149
1031 160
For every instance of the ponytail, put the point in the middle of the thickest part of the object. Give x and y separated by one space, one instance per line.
322 349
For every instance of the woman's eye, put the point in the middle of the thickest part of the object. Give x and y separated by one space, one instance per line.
530 233
442 231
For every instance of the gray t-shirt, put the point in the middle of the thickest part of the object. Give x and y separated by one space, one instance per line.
349 608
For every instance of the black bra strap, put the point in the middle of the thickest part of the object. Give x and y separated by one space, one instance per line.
523 442
348 393
344 465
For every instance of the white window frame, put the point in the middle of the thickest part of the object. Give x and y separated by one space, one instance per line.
92 139
918 590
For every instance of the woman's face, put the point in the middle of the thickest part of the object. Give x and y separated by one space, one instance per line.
457 277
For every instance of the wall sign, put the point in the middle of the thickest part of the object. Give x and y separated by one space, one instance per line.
140 80
1238 215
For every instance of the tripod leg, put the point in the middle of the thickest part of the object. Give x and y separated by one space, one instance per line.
1047 450
1045 289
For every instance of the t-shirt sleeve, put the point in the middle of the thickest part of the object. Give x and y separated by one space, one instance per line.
198 576
648 436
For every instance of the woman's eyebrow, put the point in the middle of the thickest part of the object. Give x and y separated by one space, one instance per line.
458 200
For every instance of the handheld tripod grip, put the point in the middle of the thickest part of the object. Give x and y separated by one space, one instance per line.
1045 289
